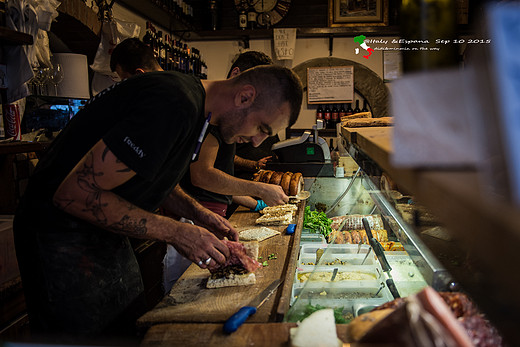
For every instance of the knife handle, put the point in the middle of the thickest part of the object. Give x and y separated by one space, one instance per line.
393 289
236 320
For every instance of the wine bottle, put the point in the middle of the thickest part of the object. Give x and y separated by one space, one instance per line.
356 109
162 50
334 116
342 112
213 9
326 116
242 19
349 109
365 107
319 112
148 38
251 17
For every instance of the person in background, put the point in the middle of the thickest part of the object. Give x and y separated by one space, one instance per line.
211 179
119 159
131 57
249 159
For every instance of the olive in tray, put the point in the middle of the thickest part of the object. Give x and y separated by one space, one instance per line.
291 183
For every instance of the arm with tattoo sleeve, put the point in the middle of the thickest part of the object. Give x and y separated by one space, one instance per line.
86 193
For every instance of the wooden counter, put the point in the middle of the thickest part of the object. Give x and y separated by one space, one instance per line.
487 230
249 334
193 308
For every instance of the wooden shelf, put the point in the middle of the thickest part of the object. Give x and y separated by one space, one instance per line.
206 35
158 15
485 229
13 37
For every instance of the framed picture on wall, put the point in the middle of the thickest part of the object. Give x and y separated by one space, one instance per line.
345 13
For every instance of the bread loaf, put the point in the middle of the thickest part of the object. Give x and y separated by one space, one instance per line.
286 180
276 178
291 183
368 122
295 184
267 176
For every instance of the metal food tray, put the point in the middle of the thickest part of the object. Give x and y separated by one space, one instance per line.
333 251
374 270
355 299
312 239
344 259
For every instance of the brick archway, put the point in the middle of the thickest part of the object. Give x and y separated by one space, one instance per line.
366 82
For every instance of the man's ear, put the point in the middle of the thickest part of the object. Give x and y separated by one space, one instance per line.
236 71
245 97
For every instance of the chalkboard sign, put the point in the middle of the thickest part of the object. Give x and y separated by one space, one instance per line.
334 84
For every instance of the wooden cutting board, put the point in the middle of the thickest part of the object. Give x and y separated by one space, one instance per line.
190 301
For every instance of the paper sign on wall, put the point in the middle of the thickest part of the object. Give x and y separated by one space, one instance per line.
334 84
284 42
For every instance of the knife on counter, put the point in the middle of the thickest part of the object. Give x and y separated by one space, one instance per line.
236 320
380 254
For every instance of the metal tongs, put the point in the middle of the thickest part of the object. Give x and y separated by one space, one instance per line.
380 254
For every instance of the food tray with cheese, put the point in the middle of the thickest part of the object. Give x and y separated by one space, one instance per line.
324 275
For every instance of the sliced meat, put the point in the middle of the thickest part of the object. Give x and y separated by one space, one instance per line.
238 256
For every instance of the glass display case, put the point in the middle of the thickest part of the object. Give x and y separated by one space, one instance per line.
337 266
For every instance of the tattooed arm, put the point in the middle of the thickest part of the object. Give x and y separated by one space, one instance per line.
86 194
182 204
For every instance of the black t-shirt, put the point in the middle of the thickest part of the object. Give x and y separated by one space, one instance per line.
151 122
223 162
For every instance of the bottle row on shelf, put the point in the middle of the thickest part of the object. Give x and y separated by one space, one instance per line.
182 9
173 54
332 114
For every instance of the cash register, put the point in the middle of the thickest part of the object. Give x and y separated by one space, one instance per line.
308 154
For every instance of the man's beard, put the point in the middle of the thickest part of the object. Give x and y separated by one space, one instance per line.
231 124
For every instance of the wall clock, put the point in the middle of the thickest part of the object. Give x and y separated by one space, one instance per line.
269 12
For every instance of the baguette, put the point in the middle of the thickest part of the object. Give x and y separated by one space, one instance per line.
356 116
368 122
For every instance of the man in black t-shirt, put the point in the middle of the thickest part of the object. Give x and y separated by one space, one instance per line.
117 160
211 179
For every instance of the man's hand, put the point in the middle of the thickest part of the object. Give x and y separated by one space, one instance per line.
273 194
200 246
217 224
262 163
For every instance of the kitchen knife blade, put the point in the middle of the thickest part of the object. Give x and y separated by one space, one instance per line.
380 254
236 320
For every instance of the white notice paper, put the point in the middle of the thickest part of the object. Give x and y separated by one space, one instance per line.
284 42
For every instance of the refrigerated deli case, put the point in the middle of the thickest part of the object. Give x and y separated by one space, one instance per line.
341 271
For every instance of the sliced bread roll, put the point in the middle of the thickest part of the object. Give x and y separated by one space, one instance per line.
296 184
276 178
285 182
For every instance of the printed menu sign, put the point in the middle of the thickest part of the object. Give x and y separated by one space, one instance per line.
331 85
